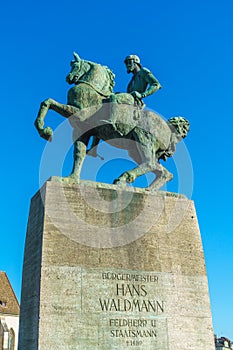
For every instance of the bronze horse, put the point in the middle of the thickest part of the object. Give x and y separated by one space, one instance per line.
94 110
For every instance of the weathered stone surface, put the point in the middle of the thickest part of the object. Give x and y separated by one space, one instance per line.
84 288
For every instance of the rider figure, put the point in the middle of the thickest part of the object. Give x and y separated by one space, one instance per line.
142 78
142 84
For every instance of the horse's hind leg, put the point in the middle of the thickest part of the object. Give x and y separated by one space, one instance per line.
147 148
131 175
147 153
162 177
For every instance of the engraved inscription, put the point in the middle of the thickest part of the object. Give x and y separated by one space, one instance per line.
126 308
132 294
129 277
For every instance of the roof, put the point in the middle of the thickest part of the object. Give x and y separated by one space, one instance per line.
8 301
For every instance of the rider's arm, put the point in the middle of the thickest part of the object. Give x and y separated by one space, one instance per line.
153 83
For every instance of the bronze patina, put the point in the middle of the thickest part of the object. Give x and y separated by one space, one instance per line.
95 111
142 78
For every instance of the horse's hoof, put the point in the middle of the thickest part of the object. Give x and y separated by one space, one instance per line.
119 182
71 179
46 133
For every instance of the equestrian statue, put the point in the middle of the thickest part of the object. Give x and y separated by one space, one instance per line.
120 119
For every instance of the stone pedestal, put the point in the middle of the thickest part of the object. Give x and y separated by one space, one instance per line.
108 268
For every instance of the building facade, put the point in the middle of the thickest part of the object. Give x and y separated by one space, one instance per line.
223 343
9 315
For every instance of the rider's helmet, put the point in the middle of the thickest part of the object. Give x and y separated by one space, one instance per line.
134 58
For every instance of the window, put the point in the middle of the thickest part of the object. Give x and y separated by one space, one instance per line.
11 344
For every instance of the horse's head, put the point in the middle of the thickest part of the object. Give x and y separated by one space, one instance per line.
76 70
99 77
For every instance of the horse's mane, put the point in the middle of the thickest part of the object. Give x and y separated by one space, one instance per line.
109 73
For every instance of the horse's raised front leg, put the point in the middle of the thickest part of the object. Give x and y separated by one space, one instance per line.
64 110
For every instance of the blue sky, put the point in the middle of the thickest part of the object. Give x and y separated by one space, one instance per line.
188 47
